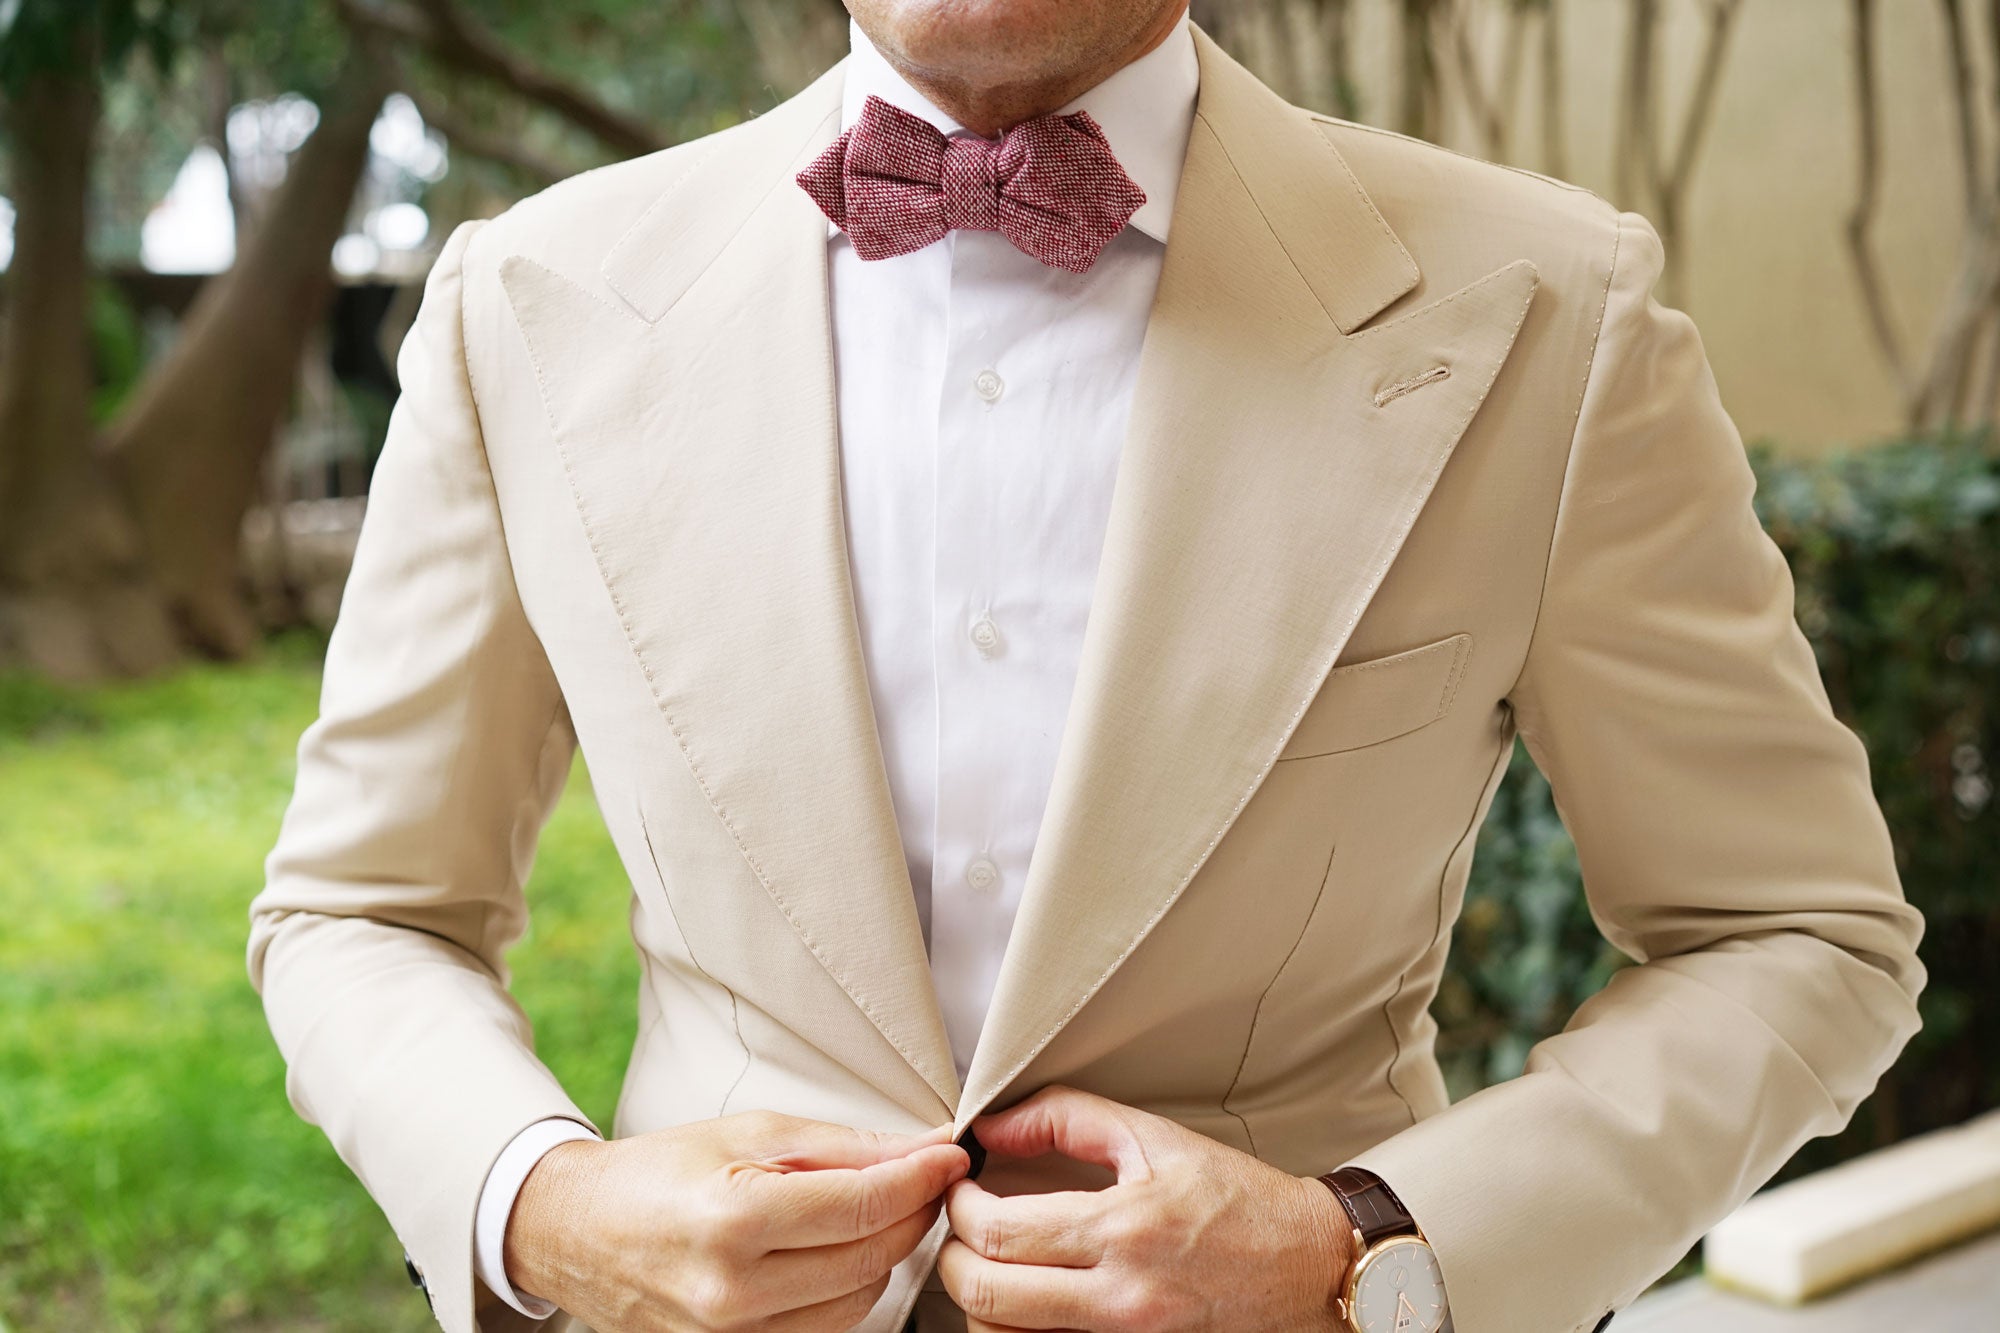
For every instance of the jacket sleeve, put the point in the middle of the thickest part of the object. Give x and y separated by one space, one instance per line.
1729 843
395 885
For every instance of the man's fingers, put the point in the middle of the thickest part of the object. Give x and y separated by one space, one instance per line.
801 1209
791 1143
1018 1295
1069 1121
803 1277
830 1316
1059 1228
981 1326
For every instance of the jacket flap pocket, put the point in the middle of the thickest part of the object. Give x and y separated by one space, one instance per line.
1364 703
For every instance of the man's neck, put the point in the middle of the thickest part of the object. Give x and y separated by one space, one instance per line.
991 109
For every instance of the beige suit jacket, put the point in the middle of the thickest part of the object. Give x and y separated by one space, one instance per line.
1417 463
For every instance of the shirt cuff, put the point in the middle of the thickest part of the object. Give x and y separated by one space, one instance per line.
496 1204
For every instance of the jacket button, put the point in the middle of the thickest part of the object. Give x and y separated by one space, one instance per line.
975 1150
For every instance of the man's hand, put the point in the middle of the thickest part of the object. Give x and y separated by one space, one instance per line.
753 1220
1194 1234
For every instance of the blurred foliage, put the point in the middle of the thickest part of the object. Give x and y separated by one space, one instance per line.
38 36
148 55
1895 553
152 1174
118 347
1526 952
275 46
687 66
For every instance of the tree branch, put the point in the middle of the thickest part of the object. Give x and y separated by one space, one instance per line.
1868 152
1670 181
464 137
1701 103
443 30
1962 99
1993 52
1941 397
1492 109
1990 397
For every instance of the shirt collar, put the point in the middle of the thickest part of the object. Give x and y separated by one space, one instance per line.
1145 108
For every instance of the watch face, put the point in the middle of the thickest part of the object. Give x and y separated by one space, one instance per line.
1398 1289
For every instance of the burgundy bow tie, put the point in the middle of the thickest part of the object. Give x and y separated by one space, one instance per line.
895 183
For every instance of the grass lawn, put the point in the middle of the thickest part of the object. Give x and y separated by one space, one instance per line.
152 1174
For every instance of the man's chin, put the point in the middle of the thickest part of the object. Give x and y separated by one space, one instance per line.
999 44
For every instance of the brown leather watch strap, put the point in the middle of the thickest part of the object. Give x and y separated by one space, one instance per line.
1370 1204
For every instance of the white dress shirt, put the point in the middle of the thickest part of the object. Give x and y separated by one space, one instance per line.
983 400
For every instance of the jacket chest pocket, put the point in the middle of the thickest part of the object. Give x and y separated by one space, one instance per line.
1366 703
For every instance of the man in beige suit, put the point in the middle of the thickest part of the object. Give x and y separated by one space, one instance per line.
1388 456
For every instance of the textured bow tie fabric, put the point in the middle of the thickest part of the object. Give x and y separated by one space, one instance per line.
895 183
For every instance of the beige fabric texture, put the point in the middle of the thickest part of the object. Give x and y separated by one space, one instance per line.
1417 464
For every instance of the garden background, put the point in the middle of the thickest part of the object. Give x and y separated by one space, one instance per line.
214 216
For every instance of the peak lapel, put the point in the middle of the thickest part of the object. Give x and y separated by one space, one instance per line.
699 435
1262 493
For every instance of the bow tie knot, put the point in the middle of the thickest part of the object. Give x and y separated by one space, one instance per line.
1051 185
971 182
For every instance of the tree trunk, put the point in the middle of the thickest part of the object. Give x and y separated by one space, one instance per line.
188 450
74 599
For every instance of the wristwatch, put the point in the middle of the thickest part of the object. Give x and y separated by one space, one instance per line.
1394 1284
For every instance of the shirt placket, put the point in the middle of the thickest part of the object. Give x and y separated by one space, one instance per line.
982 636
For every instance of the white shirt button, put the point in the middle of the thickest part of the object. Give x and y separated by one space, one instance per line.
985 636
988 385
982 874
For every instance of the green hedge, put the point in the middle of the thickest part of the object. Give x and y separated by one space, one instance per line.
1895 550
